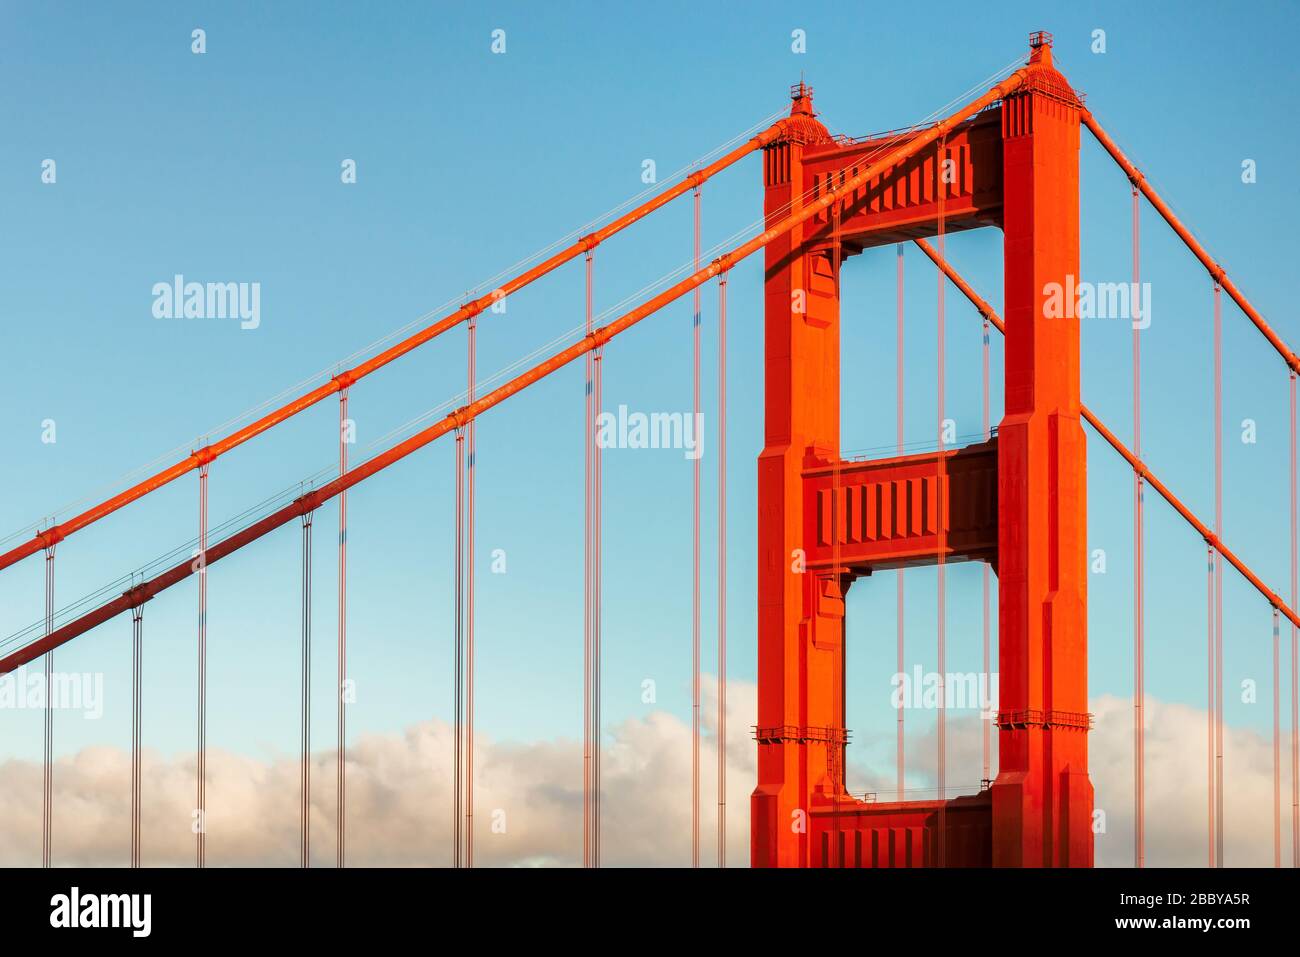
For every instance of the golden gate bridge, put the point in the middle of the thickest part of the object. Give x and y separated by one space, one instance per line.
1015 501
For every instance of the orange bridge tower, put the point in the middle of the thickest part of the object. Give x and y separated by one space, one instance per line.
1017 501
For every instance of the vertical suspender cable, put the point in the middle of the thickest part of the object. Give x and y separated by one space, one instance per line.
835 751
201 762
343 630
722 568
1210 706
305 797
1218 576
597 362
469 608
832 857
591 677
47 777
137 655
1295 671
902 667
987 722
1139 615
941 521
458 664
588 565
695 573
1277 744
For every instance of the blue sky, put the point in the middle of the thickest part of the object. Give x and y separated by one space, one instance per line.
225 167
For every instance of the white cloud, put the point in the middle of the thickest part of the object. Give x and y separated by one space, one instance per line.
399 800
1176 787
399 796
1176 802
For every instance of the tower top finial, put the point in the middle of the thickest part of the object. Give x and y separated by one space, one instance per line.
801 98
1040 47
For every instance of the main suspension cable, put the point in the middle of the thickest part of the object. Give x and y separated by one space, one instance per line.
593 343
341 380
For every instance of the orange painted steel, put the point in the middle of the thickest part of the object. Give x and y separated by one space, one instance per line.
1216 271
903 833
1041 796
462 416
1138 466
885 514
900 738
57 533
1041 802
